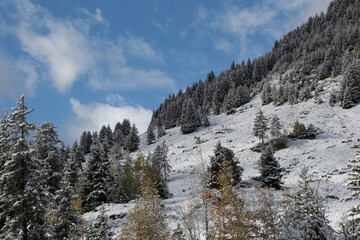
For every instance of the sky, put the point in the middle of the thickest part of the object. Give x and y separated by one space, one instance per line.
84 64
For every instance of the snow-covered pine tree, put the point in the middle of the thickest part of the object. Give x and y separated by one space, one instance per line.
79 155
125 127
159 158
64 152
85 141
64 216
352 224
350 86
304 213
229 100
147 220
276 126
45 149
132 140
4 139
160 131
260 126
266 94
116 153
150 135
242 96
98 178
347 101
23 191
100 229
72 168
205 120
119 138
117 194
4 156
216 162
270 169
190 119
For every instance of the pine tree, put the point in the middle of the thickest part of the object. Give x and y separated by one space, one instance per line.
229 100
276 126
23 194
270 169
352 224
347 101
159 158
65 217
299 129
231 218
119 138
205 121
116 153
190 119
4 139
72 169
117 194
266 94
100 229
260 126
45 141
147 219
304 214
98 178
242 96
86 141
216 162
150 135
132 140
350 87
160 131
4 157
125 127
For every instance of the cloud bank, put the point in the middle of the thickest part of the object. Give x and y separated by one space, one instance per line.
66 51
268 18
91 117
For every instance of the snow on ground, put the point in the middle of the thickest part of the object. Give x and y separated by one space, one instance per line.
326 157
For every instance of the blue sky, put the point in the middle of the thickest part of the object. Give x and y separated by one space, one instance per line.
82 64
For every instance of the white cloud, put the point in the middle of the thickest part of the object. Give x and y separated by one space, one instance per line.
17 76
63 50
29 74
273 18
96 17
129 78
138 47
66 51
8 80
114 99
92 116
164 28
223 45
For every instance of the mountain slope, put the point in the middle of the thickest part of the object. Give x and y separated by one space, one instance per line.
326 156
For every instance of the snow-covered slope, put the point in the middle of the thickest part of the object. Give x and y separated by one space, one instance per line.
326 156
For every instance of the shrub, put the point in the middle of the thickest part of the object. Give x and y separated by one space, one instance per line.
301 132
299 129
279 142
